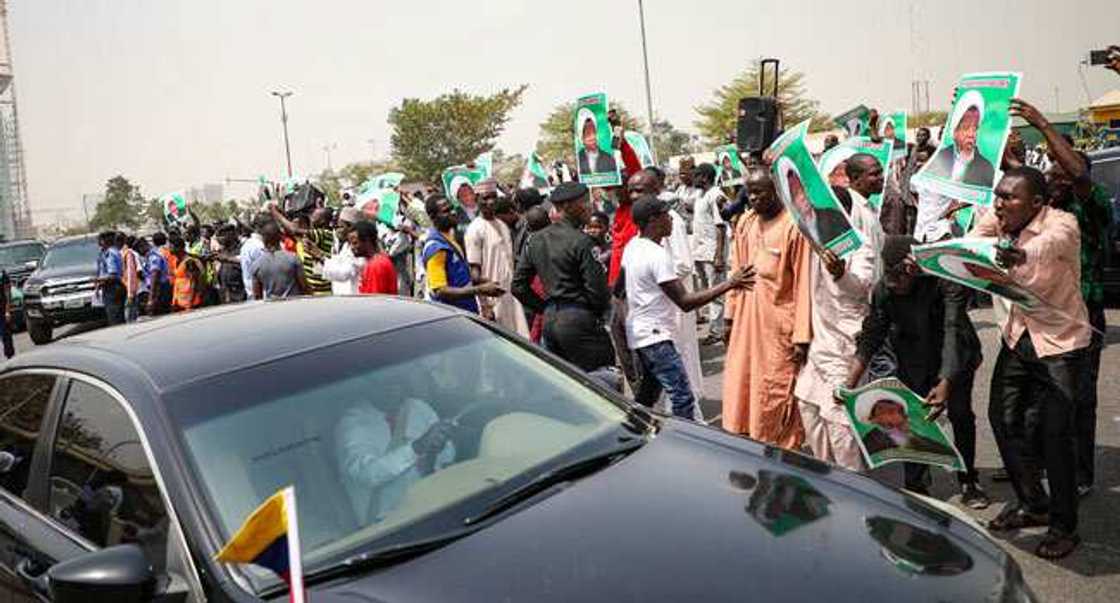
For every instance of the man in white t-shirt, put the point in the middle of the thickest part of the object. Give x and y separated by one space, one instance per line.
709 234
653 294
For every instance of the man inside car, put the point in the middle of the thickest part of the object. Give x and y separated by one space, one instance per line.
382 451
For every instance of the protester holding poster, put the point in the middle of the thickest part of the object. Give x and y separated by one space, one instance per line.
175 208
534 175
1035 380
833 163
807 197
890 424
729 166
892 129
594 148
963 167
924 321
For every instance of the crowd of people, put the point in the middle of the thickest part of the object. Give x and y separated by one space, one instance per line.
616 280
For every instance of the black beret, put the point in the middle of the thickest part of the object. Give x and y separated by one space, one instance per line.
567 191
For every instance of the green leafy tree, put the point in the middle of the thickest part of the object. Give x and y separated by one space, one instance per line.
122 206
448 130
508 168
928 119
557 137
719 115
670 142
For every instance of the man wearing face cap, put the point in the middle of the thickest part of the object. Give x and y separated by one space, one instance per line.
574 283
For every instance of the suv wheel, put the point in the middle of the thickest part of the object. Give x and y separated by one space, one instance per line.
39 330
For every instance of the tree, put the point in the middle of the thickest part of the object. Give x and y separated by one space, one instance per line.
508 168
928 119
450 129
557 138
669 141
122 206
718 117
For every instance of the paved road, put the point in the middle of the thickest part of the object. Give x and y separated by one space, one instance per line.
1091 574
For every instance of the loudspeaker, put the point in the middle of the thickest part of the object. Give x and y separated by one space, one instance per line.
758 123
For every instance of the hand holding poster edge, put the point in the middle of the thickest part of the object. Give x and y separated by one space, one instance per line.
989 94
790 157
877 431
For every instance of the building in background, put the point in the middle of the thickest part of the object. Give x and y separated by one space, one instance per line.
15 212
1105 112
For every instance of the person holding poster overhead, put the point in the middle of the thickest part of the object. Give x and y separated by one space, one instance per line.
1035 380
768 328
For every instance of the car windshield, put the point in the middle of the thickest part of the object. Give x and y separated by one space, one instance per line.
72 254
351 427
14 255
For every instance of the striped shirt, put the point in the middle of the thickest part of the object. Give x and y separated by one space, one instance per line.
323 238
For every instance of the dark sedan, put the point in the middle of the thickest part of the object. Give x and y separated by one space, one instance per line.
434 458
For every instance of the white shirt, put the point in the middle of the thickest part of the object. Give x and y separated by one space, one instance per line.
705 219
375 457
251 249
651 316
344 271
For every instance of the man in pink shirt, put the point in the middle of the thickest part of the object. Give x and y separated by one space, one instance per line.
1034 383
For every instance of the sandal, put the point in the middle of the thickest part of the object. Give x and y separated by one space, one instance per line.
1015 518
1057 545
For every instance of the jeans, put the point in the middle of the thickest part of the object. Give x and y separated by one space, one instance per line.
1085 425
577 335
1031 410
131 310
664 371
710 277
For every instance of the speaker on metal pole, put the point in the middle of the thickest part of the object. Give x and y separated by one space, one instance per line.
758 118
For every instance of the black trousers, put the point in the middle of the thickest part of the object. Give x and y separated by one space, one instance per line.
1085 424
1031 410
959 409
578 336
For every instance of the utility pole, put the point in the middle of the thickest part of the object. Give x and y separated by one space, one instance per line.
327 148
649 95
284 121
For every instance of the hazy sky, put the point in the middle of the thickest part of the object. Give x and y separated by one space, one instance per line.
174 93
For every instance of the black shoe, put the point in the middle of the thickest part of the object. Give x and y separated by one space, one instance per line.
973 497
1057 545
1014 517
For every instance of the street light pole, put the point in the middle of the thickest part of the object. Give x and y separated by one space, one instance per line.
284 120
327 148
645 61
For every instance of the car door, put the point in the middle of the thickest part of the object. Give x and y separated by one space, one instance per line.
25 533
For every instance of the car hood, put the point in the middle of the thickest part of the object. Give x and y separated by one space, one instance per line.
45 275
697 514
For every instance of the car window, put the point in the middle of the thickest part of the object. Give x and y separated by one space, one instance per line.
23 402
346 427
72 254
19 254
101 484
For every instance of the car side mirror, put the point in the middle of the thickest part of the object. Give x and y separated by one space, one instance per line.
118 573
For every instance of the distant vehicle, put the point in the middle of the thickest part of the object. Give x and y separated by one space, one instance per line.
19 259
1106 172
60 291
135 452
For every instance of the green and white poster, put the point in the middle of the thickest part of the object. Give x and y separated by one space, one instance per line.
855 121
382 205
534 175
892 127
834 158
594 151
729 166
641 148
376 183
459 181
966 164
175 207
971 261
807 197
889 422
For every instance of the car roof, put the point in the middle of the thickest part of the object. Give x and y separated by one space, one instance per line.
174 350
74 240
21 242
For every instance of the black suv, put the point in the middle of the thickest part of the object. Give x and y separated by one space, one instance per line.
19 259
60 292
